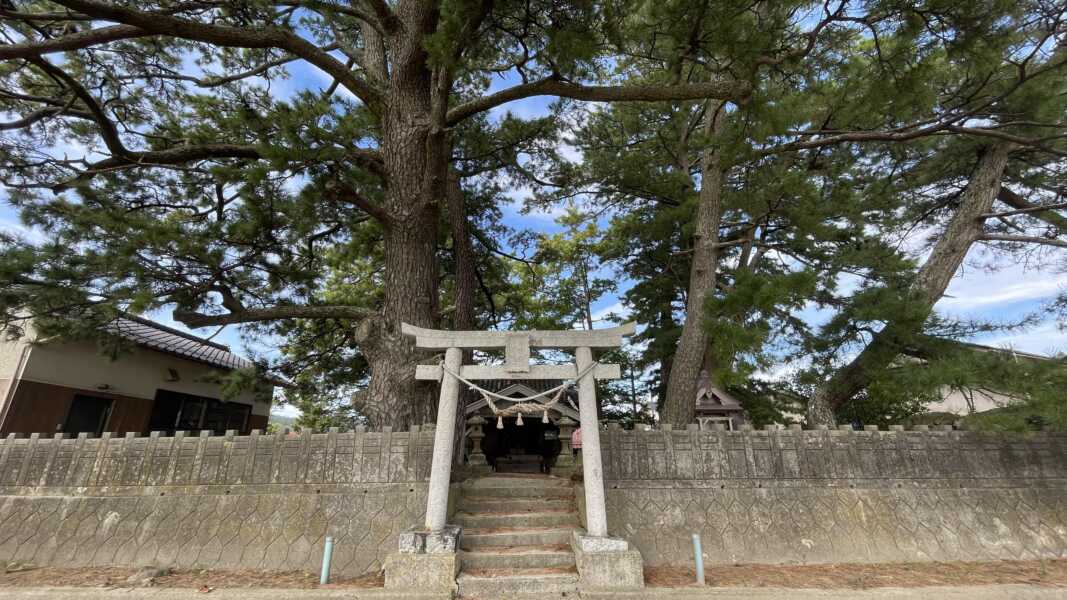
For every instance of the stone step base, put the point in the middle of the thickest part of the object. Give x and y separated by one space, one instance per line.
523 479
520 557
519 456
505 467
526 492
552 596
564 518
491 505
527 487
508 585
516 536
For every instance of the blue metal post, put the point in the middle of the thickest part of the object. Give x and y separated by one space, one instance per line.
698 555
327 555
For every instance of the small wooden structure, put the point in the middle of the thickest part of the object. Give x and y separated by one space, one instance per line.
516 346
716 405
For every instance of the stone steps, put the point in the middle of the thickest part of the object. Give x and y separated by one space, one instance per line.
491 505
516 536
519 463
521 557
511 585
519 479
479 520
526 492
517 487
510 467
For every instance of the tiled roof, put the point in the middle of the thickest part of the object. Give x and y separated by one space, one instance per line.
714 399
159 337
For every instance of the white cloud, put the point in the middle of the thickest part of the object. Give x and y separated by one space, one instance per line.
21 231
978 289
617 309
569 152
286 410
1048 339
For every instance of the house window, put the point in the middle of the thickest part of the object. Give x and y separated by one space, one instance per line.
174 411
87 414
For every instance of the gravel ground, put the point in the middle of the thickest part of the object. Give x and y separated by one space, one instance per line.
864 576
922 581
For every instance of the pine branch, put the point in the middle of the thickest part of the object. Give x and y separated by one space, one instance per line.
352 195
1044 213
73 41
388 20
724 90
232 37
108 131
255 315
1024 239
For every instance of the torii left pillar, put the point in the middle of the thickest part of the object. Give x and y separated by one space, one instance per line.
427 559
441 467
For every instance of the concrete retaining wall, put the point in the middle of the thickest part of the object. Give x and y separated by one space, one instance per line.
837 496
257 502
267 502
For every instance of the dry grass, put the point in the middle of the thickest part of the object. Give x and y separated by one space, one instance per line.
859 576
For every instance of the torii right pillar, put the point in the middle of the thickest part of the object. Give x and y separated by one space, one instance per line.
596 511
603 562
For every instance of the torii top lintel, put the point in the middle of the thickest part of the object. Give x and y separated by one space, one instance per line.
516 345
437 339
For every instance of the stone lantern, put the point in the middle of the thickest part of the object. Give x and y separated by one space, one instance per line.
477 461
565 464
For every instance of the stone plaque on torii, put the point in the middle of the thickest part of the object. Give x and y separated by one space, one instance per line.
516 346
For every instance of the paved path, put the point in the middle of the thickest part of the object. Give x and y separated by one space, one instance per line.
990 592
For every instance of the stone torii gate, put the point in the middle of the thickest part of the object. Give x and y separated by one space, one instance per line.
516 346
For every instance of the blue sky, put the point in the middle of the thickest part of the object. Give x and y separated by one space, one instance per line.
976 293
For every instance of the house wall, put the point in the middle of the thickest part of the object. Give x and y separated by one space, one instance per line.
254 502
837 496
955 401
42 408
10 351
134 375
12 355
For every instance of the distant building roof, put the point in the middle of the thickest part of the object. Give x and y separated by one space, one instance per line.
923 351
165 339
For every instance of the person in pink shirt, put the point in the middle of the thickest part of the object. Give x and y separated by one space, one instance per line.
576 441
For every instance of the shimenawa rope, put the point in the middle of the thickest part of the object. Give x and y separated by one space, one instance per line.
520 408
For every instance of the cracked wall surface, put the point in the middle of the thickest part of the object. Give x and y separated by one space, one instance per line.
255 502
837 496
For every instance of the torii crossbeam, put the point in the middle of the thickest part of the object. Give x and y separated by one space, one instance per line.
516 346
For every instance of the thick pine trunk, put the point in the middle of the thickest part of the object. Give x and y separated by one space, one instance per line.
463 256
394 397
694 344
963 230
415 154
465 281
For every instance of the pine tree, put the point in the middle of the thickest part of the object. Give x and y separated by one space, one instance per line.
157 147
205 179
